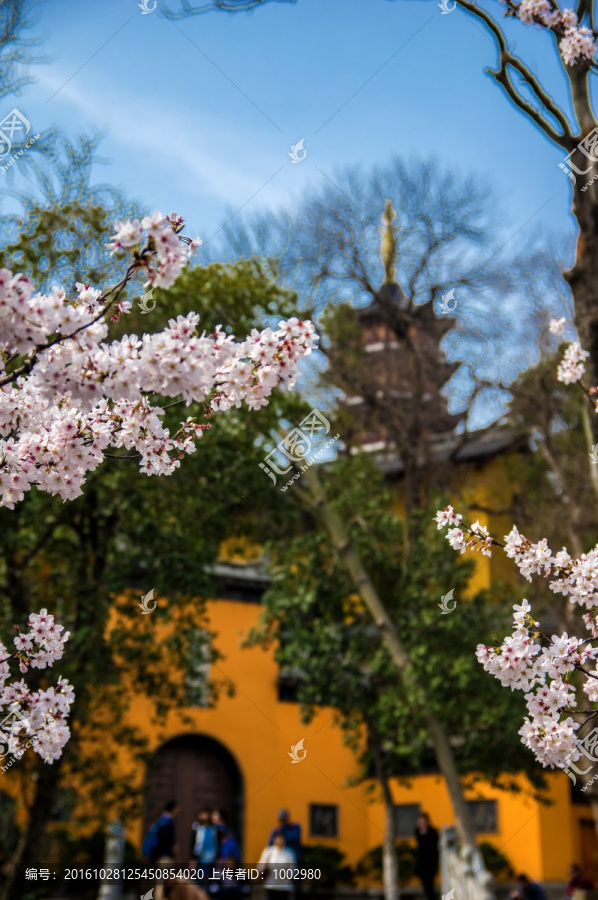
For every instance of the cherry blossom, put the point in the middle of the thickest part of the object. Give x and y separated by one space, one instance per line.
529 661
30 718
557 326
478 539
67 395
571 369
576 42
447 516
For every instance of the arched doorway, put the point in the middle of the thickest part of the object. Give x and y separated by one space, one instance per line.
195 770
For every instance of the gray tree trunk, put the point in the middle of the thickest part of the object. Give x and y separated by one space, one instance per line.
365 587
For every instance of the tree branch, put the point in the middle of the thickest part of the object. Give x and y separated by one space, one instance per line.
501 75
541 94
188 9
117 290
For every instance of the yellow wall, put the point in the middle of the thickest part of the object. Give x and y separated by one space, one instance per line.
259 731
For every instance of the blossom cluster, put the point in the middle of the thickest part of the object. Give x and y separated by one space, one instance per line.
473 537
34 718
527 661
73 394
167 251
571 369
576 43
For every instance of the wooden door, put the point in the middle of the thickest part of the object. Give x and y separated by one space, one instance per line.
194 777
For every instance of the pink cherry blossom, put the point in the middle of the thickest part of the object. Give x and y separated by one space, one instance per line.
557 326
34 718
447 516
572 368
76 395
530 10
529 661
575 42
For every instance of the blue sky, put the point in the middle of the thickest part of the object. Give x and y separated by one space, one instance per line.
200 115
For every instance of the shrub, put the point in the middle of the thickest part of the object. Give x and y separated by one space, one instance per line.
370 865
495 861
329 860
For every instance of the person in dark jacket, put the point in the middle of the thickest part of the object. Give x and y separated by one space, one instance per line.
528 890
165 846
227 842
426 863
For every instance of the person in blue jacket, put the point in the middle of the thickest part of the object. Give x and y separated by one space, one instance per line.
163 840
205 843
291 832
528 890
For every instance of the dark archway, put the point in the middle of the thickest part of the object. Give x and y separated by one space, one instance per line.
195 770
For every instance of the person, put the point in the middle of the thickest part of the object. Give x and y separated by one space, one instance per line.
426 863
280 856
163 845
227 842
527 890
163 849
205 842
291 832
577 881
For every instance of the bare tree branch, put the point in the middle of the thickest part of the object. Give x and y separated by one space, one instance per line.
189 9
541 94
502 77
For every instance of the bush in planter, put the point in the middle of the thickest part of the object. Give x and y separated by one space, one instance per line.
496 862
329 861
370 865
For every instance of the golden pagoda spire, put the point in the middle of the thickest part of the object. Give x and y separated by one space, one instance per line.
388 244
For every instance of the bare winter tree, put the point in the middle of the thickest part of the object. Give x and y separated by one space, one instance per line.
446 277
573 34
385 288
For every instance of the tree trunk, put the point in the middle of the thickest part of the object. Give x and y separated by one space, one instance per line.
30 847
390 862
363 584
390 867
582 277
586 422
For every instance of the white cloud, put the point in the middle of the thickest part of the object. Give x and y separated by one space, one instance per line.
198 155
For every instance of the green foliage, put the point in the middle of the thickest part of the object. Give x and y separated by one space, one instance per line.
326 638
61 245
239 296
552 497
17 17
330 862
369 866
496 861
89 561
